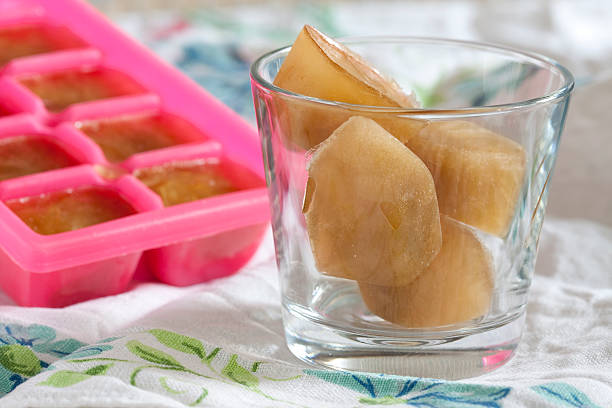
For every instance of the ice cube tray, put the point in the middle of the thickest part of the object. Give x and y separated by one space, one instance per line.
181 244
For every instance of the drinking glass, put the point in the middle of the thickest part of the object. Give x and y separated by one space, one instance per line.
521 96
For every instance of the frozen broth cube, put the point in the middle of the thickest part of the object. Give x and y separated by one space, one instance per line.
59 90
179 183
457 286
22 41
123 137
478 173
24 155
70 210
320 67
370 207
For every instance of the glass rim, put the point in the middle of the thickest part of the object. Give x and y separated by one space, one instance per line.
531 57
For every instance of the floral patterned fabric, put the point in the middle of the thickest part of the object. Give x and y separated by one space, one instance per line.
189 372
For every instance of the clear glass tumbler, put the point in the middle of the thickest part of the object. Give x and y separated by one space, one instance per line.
488 131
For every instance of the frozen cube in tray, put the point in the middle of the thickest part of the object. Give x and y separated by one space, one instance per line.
23 41
24 155
179 183
59 90
69 210
123 137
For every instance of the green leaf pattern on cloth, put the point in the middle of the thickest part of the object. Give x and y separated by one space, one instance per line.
152 362
20 360
26 350
187 370
98 370
66 378
239 374
179 342
152 354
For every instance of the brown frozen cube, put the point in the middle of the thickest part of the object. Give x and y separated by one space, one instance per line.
456 287
179 183
26 40
59 90
24 155
478 173
320 67
123 137
64 211
370 207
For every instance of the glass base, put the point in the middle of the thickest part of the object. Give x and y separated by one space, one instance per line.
444 354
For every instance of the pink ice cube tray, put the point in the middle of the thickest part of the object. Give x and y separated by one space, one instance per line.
116 79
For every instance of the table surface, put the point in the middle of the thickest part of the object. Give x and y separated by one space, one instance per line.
565 358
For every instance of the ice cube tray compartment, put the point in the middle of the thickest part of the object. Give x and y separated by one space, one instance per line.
218 252
62 89
53 270
21 131
25 35
139 132
51 84
182 244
